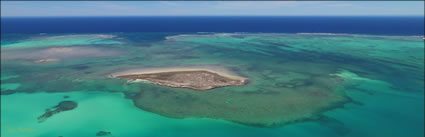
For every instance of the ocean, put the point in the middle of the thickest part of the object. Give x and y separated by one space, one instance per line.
308 76
374 25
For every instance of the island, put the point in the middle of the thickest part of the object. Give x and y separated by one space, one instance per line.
197 79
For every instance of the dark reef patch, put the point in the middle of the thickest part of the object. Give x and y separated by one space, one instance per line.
62 106
103 133
337 126
80 67
8 92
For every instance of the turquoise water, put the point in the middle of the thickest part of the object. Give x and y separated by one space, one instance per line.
383 78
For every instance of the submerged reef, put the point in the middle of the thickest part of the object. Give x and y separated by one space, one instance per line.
195 79
103 133
8 92
56 54
62 106
297 98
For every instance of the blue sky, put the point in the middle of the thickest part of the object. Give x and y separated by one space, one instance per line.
212 8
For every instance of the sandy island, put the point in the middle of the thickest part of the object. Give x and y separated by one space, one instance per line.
193 78
46 60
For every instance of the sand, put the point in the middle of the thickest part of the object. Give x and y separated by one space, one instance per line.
46 60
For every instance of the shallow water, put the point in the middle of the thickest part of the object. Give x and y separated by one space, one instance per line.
383 80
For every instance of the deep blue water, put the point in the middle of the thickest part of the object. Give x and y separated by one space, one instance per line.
374 25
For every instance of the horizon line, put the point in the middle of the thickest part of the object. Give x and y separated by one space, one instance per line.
223 16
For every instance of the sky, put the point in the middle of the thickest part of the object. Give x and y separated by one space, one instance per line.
212 8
